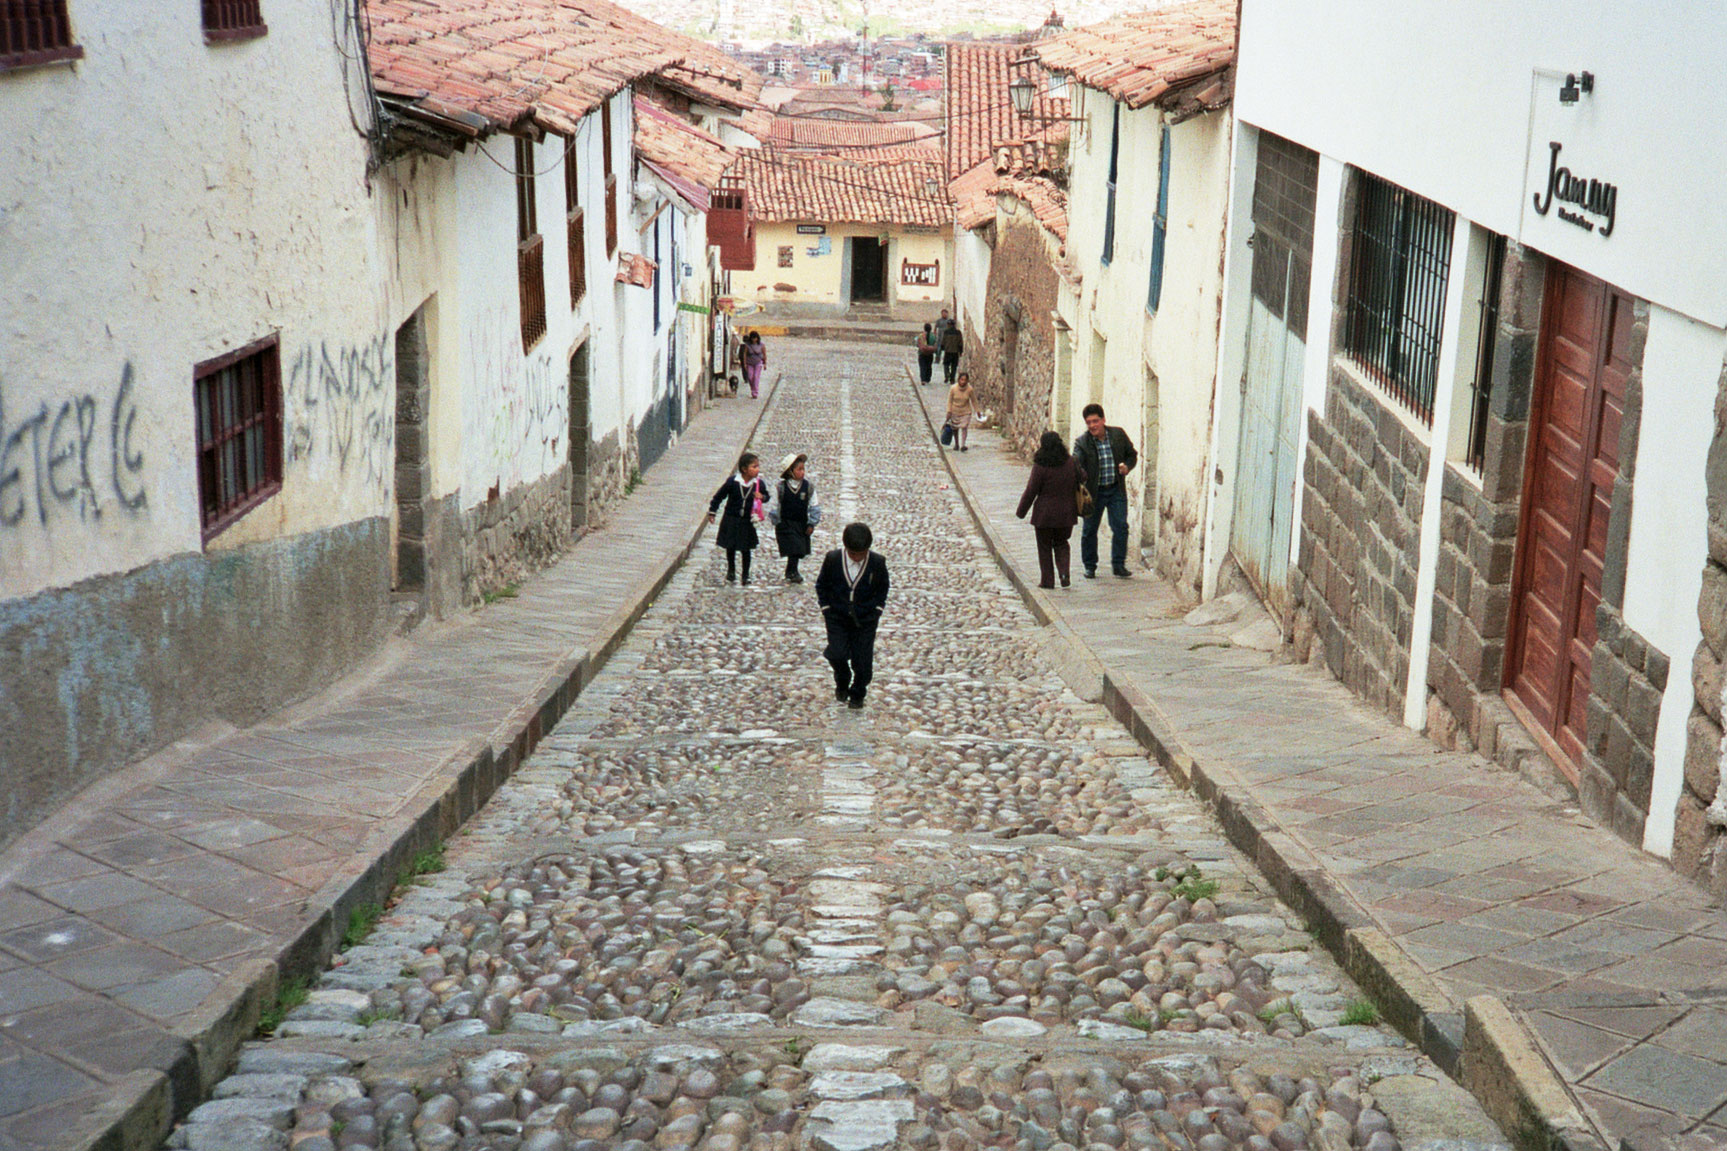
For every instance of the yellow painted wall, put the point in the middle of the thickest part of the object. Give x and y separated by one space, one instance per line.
816 277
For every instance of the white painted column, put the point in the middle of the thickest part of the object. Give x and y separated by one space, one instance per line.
1231 351
1468 250
1321 307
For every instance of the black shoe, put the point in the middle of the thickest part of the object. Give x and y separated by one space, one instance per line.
731 577
1090 573
794 577
1121 573
842 694
1065 582
855 702
965 449
746 579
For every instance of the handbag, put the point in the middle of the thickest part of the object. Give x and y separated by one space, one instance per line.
1082 500
946 434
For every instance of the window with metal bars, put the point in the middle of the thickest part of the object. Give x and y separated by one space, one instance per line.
1481 388
574 226
35 32
238 398
1109 204
1396 307
233 20
530 249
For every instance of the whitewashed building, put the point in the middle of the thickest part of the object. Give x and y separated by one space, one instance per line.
196 410
1481 326
1148 188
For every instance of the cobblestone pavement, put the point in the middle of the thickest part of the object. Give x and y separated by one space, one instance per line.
719 910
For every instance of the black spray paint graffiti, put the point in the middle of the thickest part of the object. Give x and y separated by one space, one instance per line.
52 460
340 405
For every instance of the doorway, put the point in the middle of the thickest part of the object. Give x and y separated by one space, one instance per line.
580 436
1579 403
413 468
869 269
1009 362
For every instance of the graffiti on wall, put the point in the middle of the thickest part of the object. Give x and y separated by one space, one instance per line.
341 409
72 457
525 404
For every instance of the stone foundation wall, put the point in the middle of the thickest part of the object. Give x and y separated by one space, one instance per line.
506 539
1021 291
1627 677
612 460
1700 833
117 667
1478 532
1360 517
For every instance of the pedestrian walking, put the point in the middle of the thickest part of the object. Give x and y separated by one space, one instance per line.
1105 455
745 497
925 355
1052 498
795 513
952 345
961 408
753 355
852 588
942 325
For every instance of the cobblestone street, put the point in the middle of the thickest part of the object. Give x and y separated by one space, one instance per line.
717 909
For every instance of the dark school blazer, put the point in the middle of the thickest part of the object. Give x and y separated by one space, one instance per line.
859 606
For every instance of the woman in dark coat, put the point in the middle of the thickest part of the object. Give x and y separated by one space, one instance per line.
1050 495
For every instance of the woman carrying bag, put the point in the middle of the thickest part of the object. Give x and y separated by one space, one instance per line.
1052 495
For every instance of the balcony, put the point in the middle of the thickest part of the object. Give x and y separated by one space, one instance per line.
730 228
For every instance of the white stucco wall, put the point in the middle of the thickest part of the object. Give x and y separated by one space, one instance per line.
151 220
1669 532
971 258
1177 345
1459 101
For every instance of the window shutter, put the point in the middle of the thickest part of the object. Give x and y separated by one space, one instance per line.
1160 223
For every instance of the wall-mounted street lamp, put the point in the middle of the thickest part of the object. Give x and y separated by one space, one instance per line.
1576 86
1023 90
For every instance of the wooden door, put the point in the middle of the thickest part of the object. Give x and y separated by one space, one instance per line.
1573 460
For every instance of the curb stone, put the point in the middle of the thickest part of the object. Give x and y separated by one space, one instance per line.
1485 1048
141 1108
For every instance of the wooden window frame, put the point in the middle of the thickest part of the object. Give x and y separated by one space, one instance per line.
575 226
35 32
530 248
611 179
226 21
1109 205
222 503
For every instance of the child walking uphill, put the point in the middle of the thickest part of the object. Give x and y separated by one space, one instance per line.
795 514
744 496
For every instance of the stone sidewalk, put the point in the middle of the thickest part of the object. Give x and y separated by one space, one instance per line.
1446 885
142 927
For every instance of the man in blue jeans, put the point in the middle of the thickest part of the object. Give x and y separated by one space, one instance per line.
1105 455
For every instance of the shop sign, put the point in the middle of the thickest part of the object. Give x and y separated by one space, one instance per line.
920 275
1592 197
812 229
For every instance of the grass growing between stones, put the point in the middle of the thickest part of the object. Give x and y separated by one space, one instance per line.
508 591
1360 1013
289 995
361 920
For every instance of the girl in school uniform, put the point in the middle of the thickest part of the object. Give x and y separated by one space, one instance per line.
745 496
795 514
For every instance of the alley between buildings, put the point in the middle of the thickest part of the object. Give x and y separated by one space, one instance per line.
718 909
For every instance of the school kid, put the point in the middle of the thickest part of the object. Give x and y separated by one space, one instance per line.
852 589
795 513
744 495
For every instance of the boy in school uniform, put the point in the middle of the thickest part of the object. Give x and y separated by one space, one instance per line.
852 589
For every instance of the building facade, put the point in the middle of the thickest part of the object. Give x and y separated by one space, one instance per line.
196 411
1482 362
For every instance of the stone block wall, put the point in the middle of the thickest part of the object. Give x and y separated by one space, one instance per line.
1627 677
1700 832
612 461
1478 530
1360 517
521 531
1021 291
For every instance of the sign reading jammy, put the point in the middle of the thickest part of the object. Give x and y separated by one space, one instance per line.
1595 198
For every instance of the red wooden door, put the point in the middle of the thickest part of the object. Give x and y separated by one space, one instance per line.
1573 460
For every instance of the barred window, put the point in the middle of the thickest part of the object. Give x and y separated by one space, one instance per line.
1396 306
35 32
233 20
238 398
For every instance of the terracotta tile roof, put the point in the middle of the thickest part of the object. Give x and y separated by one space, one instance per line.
679 146
1181 58
636 269
816 135
1025 170
479 66
785 186
980 112
1047 201
973 202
